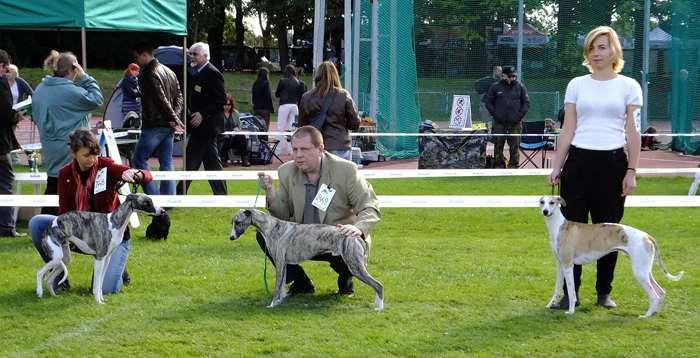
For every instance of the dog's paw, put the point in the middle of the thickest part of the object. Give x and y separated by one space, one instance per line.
39 292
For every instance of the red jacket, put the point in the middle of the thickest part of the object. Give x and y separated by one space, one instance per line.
106 201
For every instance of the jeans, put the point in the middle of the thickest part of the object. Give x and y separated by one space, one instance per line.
160 139
113 281
345 154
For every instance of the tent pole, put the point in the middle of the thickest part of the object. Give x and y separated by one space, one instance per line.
184 107
82 39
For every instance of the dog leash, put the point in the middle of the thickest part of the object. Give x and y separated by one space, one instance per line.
558 189
260 183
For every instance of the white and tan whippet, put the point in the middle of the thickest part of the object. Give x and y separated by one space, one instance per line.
579 244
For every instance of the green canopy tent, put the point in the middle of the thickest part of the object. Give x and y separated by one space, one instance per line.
169 16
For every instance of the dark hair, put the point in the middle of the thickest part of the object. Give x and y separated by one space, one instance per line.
83 138
263 75
316 136
291 73
143 47
4 57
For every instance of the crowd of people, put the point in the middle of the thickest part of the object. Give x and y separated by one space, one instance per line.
595 172
151 92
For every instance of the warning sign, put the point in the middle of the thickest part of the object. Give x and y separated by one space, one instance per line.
461 112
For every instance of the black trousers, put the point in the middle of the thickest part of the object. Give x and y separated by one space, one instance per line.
7 185
51 189
238 142
296 271
591 183
203 150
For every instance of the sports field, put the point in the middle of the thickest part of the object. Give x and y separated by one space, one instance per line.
458 282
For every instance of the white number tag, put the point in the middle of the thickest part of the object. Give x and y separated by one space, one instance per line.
323 197
101 181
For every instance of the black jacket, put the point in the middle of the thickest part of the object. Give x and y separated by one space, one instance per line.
161 98
8 118
207 96
507 102
289 92
261 96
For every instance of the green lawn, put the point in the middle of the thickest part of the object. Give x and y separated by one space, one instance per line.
458 283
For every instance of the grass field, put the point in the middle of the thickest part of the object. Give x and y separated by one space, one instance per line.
458 283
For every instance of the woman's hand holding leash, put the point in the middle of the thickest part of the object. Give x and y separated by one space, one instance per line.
132 175
629 183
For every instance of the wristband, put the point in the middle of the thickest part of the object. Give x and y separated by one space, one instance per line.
632 169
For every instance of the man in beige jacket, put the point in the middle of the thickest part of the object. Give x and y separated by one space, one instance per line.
348 201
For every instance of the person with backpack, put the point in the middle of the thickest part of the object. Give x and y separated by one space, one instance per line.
341 114
508 102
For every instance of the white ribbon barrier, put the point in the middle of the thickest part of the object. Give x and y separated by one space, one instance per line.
367 174
385 201
464 134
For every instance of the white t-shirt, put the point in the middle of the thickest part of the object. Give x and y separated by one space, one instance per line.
601 107
15 93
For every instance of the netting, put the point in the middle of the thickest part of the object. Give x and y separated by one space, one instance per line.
431 50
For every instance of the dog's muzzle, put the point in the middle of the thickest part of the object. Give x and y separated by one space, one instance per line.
547 213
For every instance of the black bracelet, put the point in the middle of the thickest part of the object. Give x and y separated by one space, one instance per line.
632 169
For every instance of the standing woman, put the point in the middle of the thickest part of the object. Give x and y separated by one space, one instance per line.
341 116
19 87
131 90
262 97
595 173
60 107
289 91
77 190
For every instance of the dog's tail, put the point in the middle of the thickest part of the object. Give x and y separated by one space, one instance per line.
661 264
65 272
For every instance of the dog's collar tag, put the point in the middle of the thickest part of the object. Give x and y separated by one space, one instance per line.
323 197
101 181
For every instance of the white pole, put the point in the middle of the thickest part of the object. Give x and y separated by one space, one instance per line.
375 61
319 31
347 40
521 10
645 66
356 52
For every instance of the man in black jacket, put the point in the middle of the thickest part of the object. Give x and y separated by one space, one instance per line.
206 99
508 102
162 116
8 142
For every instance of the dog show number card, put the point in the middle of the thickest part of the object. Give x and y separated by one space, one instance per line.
324 197
461 117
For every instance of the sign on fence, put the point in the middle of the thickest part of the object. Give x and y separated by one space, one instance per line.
461 112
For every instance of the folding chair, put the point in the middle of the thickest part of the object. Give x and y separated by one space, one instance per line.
530 146
270 152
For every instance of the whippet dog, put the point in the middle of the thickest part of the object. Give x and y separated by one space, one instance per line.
292 243
579 244
95 234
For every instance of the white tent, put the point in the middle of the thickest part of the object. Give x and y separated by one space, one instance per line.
659 39
531 36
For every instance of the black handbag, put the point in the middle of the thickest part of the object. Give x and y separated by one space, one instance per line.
320 117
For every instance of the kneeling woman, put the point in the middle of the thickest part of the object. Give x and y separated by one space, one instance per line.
80 189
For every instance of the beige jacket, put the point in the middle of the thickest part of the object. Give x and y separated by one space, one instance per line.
353 203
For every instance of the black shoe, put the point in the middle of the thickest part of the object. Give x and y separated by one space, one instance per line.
301 286
224 164
563 304
126 277
14 233
346 286
65 286
246 161
605 301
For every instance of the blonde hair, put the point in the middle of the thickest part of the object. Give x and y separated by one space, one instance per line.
59 63
615 47
326 79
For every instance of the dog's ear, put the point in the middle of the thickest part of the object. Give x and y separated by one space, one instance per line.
561 201
247 213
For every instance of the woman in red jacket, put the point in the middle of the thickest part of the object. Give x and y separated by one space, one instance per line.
89 183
